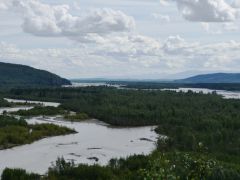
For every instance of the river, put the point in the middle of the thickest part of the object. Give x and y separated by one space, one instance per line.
95 142
223 93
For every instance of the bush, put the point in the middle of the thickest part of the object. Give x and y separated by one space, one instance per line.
18 174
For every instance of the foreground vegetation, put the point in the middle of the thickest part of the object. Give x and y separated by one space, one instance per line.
203 130
14 132
158 165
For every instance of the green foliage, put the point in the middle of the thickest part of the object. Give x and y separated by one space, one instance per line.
15 132
4 103
170 166
11 121
13 75
40 110
66 170
177 165
18 174
76 117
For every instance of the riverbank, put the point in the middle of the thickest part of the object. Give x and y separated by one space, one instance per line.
15 131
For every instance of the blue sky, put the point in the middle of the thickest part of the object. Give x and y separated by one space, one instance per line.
155 39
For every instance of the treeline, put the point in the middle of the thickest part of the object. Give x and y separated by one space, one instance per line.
174 85
52 111
14 132
41 111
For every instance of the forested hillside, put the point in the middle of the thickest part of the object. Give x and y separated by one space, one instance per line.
13 75
213 78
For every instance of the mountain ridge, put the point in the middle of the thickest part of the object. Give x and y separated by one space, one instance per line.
212 78
16 75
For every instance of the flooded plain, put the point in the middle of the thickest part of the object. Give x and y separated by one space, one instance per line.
95 142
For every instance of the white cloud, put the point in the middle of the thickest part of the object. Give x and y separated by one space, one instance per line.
128 47
207 10
118 49
134 55
56 20
215 56
164 2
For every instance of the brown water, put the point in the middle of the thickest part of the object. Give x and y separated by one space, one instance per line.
94 139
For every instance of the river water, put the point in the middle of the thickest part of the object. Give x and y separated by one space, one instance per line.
95 142
53 104
223 93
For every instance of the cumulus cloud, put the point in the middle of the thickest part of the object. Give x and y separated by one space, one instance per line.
129 46
134 54
207 10
78 62
164 2
56 20
117 49
223 56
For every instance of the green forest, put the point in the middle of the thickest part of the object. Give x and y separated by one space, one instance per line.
202 129
174 85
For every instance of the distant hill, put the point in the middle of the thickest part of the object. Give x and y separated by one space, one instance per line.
213 78
14 75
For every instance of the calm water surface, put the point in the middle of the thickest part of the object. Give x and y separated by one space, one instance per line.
94 139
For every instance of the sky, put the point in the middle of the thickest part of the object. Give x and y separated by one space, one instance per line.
134 39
